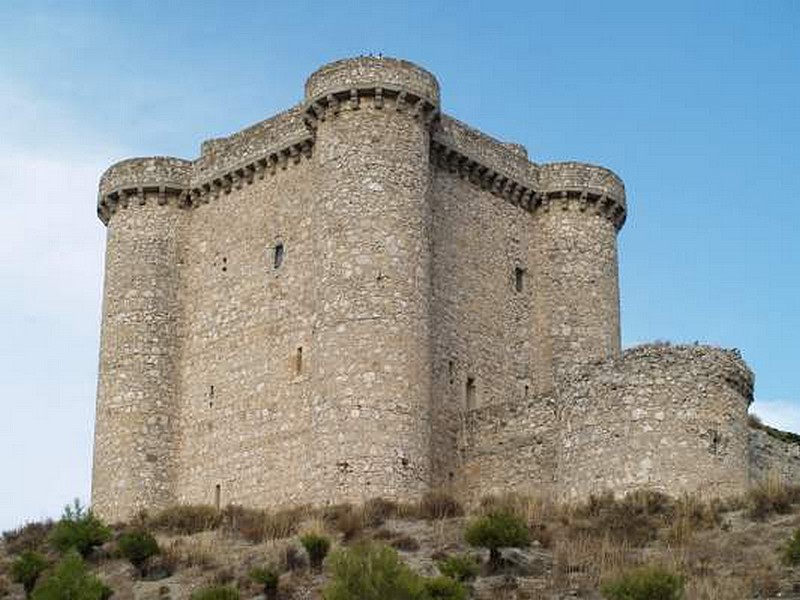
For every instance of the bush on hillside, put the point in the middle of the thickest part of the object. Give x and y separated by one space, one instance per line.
497 530
79 529
71 580
27 568
791 551
370 572
317 547
444 588
31 536
461 567
216 592
645 583
137 547
268 578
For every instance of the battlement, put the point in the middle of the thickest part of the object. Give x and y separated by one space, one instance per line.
135 179
367 72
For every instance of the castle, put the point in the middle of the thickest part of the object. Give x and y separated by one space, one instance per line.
362 297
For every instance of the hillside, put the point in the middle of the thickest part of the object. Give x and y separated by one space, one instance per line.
725 550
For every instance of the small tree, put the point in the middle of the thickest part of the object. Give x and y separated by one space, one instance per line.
27 568
317 547
71 580
497 530
269 578
369 572
137 547
79 529
645 583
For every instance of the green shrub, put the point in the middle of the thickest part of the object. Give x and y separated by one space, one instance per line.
444 588
31 536
461 567
137 547
186 519
79 529
71 580
268 578
497 530
27 568
216 592
370 572
438 505
317 547
791 551
645 583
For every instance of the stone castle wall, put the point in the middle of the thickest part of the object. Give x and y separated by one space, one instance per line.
363 297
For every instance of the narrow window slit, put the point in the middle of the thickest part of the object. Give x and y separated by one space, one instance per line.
277 256
519 278
470 393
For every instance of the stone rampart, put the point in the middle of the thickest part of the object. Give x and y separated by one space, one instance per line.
510 447
771 458
671 418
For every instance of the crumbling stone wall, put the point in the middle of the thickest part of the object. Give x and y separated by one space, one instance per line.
772 458
671 418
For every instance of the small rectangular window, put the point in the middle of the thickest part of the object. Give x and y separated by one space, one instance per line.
519 278
298 361
217 496
277 257
470 393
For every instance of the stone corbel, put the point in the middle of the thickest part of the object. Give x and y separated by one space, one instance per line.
162 196
333 104
141 196
354 101
377 100
400 102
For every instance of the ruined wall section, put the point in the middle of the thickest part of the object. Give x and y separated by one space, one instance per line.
510 447
136 431
370 410
670 418
772 458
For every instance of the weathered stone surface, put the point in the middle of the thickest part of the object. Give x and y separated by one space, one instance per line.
363 297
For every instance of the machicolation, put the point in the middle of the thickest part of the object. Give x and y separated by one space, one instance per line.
364 297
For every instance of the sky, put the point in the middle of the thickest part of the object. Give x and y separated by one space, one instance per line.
693 104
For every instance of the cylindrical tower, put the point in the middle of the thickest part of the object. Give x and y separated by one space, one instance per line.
140 201
370 423
668 418
580 209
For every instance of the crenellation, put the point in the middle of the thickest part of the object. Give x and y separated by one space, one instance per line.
362 296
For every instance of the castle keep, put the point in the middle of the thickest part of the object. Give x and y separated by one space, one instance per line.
364 297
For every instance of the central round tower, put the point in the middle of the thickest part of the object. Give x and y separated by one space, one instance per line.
370 417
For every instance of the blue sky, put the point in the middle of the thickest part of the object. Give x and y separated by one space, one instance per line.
694 104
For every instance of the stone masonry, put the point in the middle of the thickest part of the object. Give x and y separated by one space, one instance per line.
364 297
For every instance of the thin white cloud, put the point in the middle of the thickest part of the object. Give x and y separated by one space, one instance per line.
781 414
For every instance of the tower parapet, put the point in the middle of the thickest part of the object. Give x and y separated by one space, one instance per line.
162 178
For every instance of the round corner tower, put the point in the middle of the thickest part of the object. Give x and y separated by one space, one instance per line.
371 119
576 304
140 202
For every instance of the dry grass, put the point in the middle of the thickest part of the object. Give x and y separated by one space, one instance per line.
771 496
31 536
184 519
